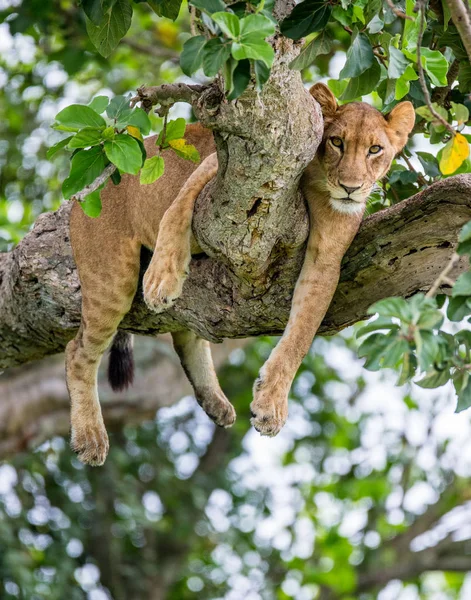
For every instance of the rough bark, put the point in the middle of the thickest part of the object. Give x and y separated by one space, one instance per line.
35 406
252 223
398 251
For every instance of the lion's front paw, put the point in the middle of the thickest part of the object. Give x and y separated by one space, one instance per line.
269 408
217 407
90 442
163 284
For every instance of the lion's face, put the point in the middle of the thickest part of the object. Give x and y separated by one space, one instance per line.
357 148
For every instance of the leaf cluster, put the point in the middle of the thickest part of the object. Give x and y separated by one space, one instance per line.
408 336
97 142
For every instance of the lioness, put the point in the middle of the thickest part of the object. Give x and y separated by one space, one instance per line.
357 149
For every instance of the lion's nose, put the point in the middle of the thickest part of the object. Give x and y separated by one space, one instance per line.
348 189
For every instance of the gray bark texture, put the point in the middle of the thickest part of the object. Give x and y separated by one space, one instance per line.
398 251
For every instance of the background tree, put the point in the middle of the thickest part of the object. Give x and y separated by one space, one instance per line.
356 497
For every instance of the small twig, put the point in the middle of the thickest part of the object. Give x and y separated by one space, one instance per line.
109 170
398 12
420 178
423 84
193 20
443 277
381 57
157 51
167 94
460 16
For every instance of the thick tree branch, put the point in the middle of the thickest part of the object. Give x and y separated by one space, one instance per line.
398 251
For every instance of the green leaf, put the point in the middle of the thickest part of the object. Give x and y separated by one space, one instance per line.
77 116
93 9
372 349
228 23
392 307
209 6
124 152
191 58
166 8
398 63
119 108
307 17
429 319
99 104
462 383
359 57
153 169
427 348
462 286
394 352
322 44
108 133
464 78
258 24
409 364
434 379
215 54
91 204
375 25
116 177
252 46
465 233
240 79
184 150
429 163
139 118
337 87
458 308
364 84
108 33
55 149
262 73
89 136
86 166
436 66
377 324
175 130
461 113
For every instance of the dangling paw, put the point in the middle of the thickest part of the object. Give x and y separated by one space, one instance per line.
217 407
269 408
90 442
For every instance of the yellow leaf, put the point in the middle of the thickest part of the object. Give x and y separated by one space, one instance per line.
184 150
454 154
134 131
167 33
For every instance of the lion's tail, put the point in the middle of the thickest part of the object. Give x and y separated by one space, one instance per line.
121 363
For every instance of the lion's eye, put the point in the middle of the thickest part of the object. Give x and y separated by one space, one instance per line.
375 149
337 142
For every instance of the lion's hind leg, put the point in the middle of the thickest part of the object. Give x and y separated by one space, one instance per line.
196 359
108 290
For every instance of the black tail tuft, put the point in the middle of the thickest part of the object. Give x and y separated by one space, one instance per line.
121 363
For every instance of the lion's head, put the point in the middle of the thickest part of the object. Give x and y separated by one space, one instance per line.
358 146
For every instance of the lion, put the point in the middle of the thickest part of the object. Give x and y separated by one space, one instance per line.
357 149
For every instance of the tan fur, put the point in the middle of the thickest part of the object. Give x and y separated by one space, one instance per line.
159 216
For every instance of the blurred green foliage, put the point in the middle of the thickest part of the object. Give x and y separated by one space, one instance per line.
182 510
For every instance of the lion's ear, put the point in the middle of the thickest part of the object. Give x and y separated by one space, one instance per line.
326 99
401 121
